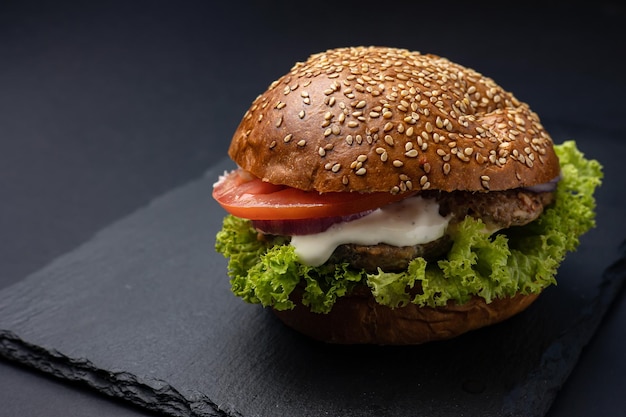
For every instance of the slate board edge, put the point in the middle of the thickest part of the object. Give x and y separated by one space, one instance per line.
539 389
154 395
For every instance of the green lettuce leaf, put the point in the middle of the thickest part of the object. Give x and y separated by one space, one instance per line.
520 259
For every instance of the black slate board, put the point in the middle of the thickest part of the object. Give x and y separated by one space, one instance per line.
143 312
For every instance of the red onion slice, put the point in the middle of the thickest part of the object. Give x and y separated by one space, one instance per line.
303 226
546 187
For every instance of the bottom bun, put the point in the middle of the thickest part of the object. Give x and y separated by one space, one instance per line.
358 319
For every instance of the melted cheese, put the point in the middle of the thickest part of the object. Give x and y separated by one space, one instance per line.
410 222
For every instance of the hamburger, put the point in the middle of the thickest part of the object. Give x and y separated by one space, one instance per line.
384 196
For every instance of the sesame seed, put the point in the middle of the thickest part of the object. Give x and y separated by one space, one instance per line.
397 163
361 171
389 140
301 114
360 104
336 167
352 123
287 138
301 142
273 144
412 153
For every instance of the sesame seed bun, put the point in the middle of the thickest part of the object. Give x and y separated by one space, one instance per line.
372 119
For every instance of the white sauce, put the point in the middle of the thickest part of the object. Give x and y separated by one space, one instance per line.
409 222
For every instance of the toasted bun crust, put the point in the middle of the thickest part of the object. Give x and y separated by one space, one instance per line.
372 119
358 319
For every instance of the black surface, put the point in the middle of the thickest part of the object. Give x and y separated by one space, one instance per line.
105 107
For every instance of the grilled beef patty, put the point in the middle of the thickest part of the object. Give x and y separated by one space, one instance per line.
498 210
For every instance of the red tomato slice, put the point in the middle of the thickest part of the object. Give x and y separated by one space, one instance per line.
248 197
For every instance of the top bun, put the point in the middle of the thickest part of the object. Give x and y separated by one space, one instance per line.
370 119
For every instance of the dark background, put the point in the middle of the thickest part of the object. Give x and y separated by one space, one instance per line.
105 106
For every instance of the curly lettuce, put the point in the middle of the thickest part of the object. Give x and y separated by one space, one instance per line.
517 260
